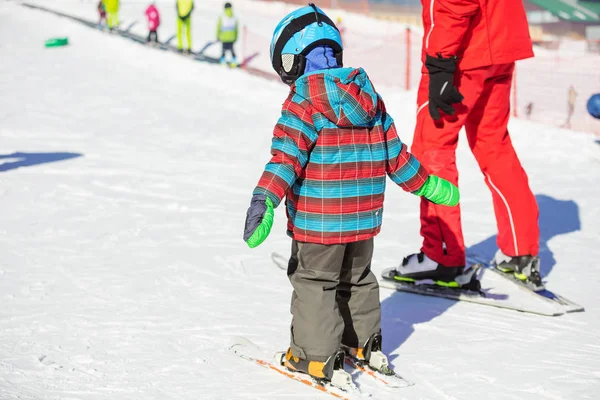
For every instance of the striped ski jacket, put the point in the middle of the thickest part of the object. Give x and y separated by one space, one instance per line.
332 148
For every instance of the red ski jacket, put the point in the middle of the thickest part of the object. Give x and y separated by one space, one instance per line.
478 32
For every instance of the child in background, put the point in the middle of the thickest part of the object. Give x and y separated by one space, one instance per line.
112 13
101 14
153 22
227 33
184 21
332 148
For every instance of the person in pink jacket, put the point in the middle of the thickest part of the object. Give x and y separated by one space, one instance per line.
153 22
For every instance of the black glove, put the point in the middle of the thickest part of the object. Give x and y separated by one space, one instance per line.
442 92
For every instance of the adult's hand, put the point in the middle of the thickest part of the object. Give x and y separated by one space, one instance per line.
442 91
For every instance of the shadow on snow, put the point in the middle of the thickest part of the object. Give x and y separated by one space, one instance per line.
402 311
16 160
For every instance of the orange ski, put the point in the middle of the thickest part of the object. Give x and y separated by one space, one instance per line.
242 348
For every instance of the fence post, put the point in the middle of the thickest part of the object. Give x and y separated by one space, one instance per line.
408 58
245 32
365 6
514 93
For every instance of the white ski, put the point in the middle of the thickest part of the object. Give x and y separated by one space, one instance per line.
563 303
496 291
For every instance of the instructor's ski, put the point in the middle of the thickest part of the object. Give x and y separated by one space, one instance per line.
563 303
495 292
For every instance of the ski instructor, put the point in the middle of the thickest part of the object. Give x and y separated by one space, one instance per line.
469 53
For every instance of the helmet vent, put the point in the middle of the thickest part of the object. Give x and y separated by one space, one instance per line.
287 61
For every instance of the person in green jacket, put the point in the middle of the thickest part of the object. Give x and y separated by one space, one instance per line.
112 13
227 33
184 12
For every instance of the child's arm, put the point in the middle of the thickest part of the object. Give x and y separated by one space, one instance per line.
406 171
402 167
293 139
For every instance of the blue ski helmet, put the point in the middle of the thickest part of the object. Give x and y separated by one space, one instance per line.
593 106
296 35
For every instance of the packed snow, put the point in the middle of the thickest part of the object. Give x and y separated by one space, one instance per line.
126 173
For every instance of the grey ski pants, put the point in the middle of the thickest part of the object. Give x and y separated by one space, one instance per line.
335 299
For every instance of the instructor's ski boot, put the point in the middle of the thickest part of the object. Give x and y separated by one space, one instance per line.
524 268
370 354
331 370
418 268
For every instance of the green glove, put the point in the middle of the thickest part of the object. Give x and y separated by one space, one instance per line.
259 220
439 191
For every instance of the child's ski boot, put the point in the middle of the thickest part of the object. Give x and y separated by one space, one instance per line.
524 268
371 355
329 371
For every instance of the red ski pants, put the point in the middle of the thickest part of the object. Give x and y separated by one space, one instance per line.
484 113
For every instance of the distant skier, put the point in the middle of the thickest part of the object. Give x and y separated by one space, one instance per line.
332 148
184 21
469 53
529 110
101 14
227 33
112 13
572 97
153 22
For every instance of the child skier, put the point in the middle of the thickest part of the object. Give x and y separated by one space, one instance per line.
184 20
112 13
101 14
227 33
332 148
153 22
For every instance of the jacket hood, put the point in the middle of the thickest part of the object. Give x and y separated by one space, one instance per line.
345 96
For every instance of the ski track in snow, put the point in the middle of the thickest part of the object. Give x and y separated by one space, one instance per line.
124 275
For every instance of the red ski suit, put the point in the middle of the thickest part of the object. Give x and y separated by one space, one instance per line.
487 37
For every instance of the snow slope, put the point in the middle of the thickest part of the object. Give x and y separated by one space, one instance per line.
125 174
